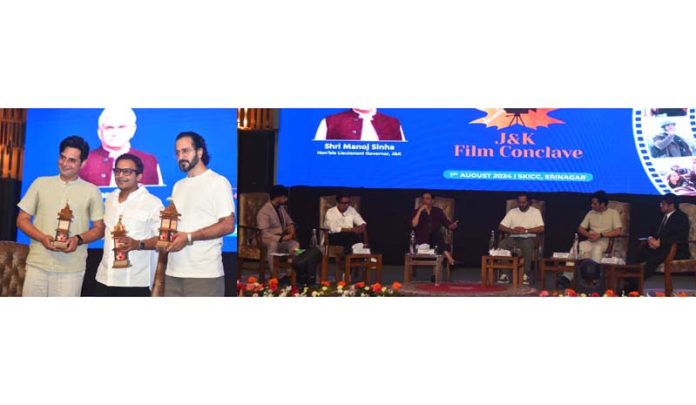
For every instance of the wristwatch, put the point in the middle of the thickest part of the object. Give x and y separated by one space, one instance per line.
141 245
79 240
188 237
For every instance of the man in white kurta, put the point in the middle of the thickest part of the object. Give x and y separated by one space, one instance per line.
139 212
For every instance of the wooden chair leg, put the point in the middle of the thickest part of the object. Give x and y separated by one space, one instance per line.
668 281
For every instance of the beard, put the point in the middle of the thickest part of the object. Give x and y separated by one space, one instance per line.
186 166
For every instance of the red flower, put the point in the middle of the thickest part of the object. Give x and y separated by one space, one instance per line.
251 280
681 294
544 293
294 290
360 284
273 281
594 294
609 293
660 294
554 294
341 284
570 292
325 284
634 294
396 286
273 287
376 287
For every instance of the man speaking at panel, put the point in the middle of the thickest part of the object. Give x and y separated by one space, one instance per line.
360 124
116 129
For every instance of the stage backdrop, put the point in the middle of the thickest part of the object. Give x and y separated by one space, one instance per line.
155 134
496 149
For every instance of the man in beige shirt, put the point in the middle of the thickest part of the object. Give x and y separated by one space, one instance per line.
52 271
599 224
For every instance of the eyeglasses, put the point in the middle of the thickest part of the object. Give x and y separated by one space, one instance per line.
125 172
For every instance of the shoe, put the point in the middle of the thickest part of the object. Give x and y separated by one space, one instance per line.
504 279
525 279
562 283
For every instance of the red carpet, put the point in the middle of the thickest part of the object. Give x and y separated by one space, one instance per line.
428 289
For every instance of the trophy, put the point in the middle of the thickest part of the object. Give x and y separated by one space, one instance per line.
65 217
120 254
168 222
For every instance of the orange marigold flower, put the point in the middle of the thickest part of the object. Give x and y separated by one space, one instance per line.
609 293
360 284
396 286
681 294
376 287
341 284
660 294
251 280
570 292
273 281
634 294
325 283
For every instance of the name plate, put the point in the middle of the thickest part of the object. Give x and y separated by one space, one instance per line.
561 255
612 260
500 252
426 251
361 251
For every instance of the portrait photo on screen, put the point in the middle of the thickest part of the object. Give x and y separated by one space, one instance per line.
360 124
148 133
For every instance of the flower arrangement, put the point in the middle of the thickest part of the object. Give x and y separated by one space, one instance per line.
569 292
253 288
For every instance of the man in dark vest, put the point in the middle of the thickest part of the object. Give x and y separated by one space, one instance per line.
360 124
116 129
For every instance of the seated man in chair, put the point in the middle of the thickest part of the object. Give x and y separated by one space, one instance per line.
277 228
599 224
673 227
521 224
346 226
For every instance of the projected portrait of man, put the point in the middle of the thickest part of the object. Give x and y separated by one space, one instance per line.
360 124
668 143
116 128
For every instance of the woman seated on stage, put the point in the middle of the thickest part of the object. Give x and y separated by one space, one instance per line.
427 222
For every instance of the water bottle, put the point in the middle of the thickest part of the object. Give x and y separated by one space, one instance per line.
412 243
575 254
491 241
313 242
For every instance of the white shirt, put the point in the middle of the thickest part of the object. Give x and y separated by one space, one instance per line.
201 200
368 132
335 220
141 217
527 219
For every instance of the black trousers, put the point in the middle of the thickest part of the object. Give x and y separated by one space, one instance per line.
101 290
345 239
652 258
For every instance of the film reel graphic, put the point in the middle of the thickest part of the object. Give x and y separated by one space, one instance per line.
647 123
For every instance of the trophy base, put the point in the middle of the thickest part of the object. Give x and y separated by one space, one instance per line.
121 264
162 244
60 245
